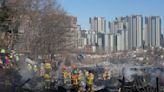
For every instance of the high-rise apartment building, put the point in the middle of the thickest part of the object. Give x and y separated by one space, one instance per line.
98 24
73 28
125 33
128 30
135 31
153 31
98 29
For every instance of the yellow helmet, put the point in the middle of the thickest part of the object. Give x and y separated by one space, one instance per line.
35 66
3 51
11 56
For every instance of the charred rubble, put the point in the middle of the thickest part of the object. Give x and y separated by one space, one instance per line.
131 79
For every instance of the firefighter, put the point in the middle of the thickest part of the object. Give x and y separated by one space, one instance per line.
89 81
7 64
47 76
42 70
3 52
29 67
17 57
75 78
82 81
106 75
47 80
12 55
66 74
11 59
47 67
35 69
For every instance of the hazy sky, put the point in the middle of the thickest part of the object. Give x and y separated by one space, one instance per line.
110 9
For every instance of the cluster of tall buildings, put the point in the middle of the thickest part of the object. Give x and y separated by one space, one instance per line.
123 33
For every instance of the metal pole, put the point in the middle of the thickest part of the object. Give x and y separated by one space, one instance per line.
157 83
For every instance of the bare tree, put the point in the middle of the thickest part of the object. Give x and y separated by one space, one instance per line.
53 34
45 24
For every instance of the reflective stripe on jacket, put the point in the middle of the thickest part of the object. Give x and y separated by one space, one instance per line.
75 79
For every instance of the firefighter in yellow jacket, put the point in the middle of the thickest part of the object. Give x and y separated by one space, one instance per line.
66 74
75 78
47 76
89 82
47 67
107 75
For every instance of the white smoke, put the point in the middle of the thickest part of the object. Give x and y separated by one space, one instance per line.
24 72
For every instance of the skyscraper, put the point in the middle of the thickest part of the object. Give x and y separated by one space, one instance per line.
119 28
129 31
153 30
135 31
98 27
98 24
73 28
